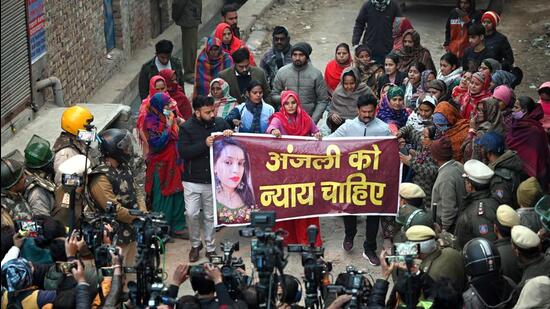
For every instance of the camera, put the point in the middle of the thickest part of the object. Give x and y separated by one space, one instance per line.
29 228
103 256
66 267
403 252
87 136
72 180
93 226
354 283
232 278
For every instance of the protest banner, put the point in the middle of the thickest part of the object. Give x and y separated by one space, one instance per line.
301 177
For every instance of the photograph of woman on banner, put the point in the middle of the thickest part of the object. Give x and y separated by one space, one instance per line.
292 119
234 195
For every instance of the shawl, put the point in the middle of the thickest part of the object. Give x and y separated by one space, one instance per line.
450 78
177 93
469 101
545 104
207 69
400 25
256 110
235 44
391 116
424 80
333 73
163 157
417 54
528 138
493 121
224 105
299 123
344 103
368 73
458 130
143 113
412 93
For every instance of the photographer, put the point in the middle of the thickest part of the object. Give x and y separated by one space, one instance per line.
289 293
112 181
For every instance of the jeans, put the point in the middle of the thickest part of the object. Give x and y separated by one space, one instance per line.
350 224
199 196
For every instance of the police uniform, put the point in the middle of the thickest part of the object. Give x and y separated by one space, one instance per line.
15 205
39 192
479 216
525 238
507 217
446 262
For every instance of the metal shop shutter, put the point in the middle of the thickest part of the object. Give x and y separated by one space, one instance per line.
16 81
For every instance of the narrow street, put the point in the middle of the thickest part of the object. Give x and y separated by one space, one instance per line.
324 24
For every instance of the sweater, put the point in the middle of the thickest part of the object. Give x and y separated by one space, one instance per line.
356 127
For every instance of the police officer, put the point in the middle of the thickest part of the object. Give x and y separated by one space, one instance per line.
526 246
479 216
487 288
437 262
14 205
507 218
112 181
40 188
67 144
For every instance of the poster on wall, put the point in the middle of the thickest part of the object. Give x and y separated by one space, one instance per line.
300 177
36 27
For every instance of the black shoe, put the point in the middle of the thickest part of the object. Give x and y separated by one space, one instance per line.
347 244
371 256
194 253
210 254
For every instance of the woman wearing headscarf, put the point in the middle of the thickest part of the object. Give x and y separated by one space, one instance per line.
392 109
415 53
344 99
368 69
488 118
423 113
498 76
450 124
223 101
506 99
177 93
400 25
335 67
478 89
210 62
528 138
230 43
163 183
251 116
292 119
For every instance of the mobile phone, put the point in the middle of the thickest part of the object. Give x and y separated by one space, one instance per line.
406 248
87 136
29 228
66 267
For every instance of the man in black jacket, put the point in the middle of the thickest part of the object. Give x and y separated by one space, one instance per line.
496 41
187 14
377 16
194 147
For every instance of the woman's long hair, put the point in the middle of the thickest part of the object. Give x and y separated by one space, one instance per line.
244 188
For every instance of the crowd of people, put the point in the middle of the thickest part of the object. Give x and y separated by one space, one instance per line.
475 187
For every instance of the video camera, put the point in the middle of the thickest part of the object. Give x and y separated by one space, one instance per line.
316 270
354 283
267 255
232 278
93 226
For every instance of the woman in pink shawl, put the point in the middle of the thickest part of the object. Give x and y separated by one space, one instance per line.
478 89
528 138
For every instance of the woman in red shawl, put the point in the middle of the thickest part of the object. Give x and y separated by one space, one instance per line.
528 138
478 89
400 25
293 120
230 43
335 67
177 93
451 125
163 183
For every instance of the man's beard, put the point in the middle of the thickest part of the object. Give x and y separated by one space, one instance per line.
298 63
408 49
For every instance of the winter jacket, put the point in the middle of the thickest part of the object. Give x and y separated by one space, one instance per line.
456 31
241 113
256 73
448 193
269 63
478 218
509 264
308 83
187 13
385 79
193 149
378 35
471 60
149 69
508 175
474 300
445 262
502 51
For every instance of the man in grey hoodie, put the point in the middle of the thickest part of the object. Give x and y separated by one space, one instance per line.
303 78
365 124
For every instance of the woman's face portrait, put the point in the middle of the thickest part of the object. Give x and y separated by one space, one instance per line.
290 105
229 168
349 83
216 90
160 86
227 36
256 94
342 55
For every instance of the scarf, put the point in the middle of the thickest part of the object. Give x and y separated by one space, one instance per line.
177 93
256 111
412 92
224 105
458 130
333 72
408 57
400 25
299 123
18 274
345 103
207 69
469 101
145 103
163 157
367 72
389 115
235 43
450 78
424 80
545 104
528 138
493 117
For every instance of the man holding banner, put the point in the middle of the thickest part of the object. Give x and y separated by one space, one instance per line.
365 124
